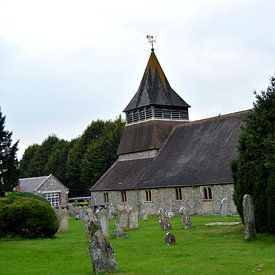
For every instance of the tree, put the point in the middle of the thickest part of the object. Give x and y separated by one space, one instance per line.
101 154
75 156
8 160
28 167
254 168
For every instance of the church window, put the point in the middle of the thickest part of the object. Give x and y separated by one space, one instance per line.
178 194
123 196
148 195
207 193
106 197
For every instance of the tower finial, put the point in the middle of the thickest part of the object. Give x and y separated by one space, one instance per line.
151 40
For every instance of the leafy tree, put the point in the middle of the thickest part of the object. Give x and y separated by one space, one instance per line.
253 169
8 159
28 167
100 154
75 156
57 159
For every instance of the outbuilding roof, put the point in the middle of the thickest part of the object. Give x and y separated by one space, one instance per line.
31 184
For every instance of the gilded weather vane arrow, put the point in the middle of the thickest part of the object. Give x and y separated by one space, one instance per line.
151 39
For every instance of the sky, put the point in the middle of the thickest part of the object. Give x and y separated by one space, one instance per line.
65 63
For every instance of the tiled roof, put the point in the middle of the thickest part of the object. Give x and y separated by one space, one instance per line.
31 184
155 89
145 136
195 153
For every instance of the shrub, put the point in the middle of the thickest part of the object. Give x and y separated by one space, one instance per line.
27 217
12 195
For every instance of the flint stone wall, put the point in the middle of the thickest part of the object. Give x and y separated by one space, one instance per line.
192 198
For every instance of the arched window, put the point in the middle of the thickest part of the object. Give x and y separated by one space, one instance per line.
209 193
205 193
178 194
148 195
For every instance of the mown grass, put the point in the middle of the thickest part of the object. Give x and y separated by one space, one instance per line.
198 250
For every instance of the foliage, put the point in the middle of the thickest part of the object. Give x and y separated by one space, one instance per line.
78 164
253 169
15 195
8 159
27 217
198 250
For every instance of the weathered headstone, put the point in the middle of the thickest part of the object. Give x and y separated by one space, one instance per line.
133 218
185 218
144 215
224 207
102 215
121 222
170 238
63 225
248 216
186 222
101 252
164 220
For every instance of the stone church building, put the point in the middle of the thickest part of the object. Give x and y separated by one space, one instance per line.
165 160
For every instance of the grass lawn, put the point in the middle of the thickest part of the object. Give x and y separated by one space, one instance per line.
198 250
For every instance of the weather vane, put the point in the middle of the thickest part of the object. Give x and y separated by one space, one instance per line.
151 40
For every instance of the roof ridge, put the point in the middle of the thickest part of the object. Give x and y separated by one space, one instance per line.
33 178
190 123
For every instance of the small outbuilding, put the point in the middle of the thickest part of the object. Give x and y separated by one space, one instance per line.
49 187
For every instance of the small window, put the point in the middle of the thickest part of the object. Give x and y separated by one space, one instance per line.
53 199
106 197
178 194
148 195
123 196
207 193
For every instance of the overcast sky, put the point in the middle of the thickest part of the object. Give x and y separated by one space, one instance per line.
65 63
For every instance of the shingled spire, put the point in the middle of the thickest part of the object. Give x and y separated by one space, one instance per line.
155 99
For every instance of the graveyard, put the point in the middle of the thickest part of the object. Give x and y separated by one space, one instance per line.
200 249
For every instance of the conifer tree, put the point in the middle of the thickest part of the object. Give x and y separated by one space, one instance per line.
253 169
8 159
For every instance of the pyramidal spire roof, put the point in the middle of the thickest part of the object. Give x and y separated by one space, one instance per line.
155 89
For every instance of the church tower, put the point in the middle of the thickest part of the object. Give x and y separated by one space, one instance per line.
155 99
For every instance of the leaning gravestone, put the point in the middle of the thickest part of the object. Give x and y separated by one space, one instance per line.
248 216
102 215
64 216
170 238
224 208
101 252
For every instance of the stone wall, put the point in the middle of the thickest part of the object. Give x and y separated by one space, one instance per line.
192 197
51 186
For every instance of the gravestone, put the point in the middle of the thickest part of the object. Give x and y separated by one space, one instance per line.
121 222
248 216
63 225
101 252
144 215
170 238
185 218
133 218
224 207
102 215
164 220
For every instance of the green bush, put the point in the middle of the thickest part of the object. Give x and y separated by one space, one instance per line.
12 195
27 217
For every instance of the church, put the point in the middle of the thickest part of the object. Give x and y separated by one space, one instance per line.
165 160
